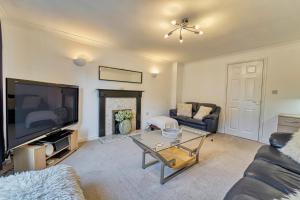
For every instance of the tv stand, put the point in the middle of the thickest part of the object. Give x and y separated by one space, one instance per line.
33 156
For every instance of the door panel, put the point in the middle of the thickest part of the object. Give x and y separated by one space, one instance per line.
236 70
250 89
235 88
234 115
244 99
251 68
249 121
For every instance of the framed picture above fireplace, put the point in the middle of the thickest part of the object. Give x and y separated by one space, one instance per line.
120 75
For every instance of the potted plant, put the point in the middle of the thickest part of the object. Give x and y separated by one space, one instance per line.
123 117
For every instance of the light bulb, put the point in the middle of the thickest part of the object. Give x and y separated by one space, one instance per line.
180 39
166 36
200 32
197 27
173 22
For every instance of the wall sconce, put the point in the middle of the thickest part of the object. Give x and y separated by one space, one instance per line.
154 74
80 62
154 71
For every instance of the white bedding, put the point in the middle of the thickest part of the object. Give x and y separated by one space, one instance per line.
41 115
162 122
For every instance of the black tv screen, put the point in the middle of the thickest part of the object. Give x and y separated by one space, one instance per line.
35 109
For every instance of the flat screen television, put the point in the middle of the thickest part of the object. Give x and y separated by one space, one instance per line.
34 109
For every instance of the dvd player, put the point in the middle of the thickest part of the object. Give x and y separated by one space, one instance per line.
58 140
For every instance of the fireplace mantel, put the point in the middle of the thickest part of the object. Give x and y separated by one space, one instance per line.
107 93
119 93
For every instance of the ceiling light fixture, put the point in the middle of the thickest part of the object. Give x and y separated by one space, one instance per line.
80 62
184 25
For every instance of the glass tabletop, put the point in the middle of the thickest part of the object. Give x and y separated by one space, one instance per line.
155 141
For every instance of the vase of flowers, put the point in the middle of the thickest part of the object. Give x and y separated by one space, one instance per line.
123 117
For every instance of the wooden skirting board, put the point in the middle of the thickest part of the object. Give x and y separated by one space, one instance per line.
33 157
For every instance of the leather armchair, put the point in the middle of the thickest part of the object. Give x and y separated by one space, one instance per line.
271 175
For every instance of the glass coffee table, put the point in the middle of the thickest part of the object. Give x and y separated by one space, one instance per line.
178 154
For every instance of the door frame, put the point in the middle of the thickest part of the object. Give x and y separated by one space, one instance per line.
2 139
263 94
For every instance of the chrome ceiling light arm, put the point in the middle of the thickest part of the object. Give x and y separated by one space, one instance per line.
190 30
180 36
171 32
194 31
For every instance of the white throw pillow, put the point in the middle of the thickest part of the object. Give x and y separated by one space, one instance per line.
202 112
184 109
292 148
295 196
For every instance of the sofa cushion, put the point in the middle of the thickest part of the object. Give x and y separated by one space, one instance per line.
202 112
184 109
195 121
251 189
278 140
292 147
196 106
181 118
189 120
282 179
275 157
213 106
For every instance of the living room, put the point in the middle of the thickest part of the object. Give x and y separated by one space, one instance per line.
159 58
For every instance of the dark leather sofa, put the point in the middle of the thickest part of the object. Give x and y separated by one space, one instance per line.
271 175
208 123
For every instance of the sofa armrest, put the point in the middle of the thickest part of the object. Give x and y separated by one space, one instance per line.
173 112
212 120
279 139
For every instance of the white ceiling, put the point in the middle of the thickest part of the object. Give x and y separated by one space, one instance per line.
139 25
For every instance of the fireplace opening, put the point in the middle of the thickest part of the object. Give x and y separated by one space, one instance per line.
117 123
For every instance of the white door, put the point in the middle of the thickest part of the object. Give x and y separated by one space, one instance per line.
244 99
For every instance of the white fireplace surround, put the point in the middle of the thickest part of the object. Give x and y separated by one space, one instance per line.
112 104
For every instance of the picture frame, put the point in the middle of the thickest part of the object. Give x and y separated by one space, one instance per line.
120 75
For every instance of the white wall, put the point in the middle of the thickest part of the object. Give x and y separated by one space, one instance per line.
176 83
35 54
205 81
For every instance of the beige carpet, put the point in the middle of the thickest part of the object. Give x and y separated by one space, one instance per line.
113 171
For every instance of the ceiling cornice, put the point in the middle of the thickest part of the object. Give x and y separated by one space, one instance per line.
63 34
252 50
75 37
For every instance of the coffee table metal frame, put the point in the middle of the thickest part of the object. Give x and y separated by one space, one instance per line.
164 162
